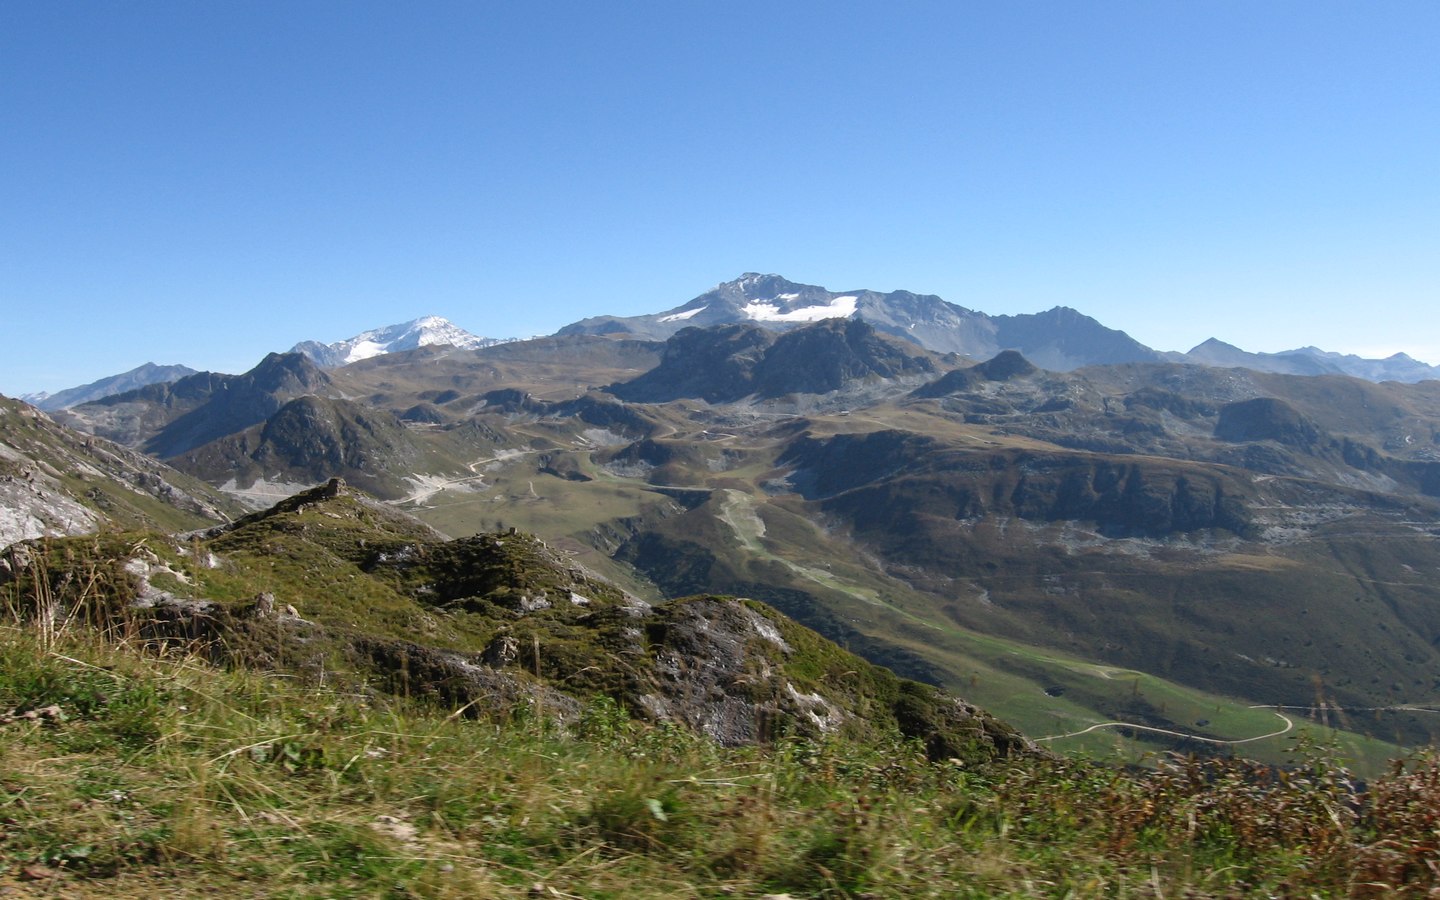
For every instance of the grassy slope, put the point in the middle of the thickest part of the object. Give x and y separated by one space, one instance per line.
142 776
1000 673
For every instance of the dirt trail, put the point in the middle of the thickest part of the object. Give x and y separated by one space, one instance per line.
1289 726
1289 723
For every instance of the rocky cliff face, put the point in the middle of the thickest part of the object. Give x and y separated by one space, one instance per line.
54 481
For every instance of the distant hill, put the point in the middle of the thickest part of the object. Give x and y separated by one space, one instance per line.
1311 361
168 419
138 377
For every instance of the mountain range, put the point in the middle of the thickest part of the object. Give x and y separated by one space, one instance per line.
1059 339
1150 540
1310 361
146 374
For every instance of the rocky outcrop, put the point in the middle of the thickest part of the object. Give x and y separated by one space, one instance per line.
1267 419
715 365
831 355
1006 366
730 362
358 594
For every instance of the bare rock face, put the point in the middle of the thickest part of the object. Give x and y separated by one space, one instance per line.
55 482
33 505
501 652
719 669
263 606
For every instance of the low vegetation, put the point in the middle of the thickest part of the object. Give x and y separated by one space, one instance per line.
125 773
168 727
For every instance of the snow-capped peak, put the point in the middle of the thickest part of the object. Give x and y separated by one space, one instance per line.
423 332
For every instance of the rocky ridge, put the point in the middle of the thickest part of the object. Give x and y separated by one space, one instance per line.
139 377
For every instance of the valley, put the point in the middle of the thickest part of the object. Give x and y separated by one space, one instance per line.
1183 548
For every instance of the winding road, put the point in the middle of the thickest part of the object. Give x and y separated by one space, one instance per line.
1289 723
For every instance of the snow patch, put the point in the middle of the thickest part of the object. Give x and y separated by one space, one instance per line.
364 350
682 316
423 332
839 308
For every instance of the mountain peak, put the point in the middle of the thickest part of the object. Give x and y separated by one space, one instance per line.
1060 339
425 331
1213 344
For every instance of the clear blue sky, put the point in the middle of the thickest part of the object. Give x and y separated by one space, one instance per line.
203 182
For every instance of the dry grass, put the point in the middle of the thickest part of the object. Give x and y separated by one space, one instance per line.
165 777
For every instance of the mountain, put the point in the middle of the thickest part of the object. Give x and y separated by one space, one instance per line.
1060 339
282 426
311 439
168 419
728 363
1152 542
138 377
423 332
1310 361
55 481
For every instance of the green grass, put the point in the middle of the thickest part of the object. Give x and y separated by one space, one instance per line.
1016 680
164 776
536 502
